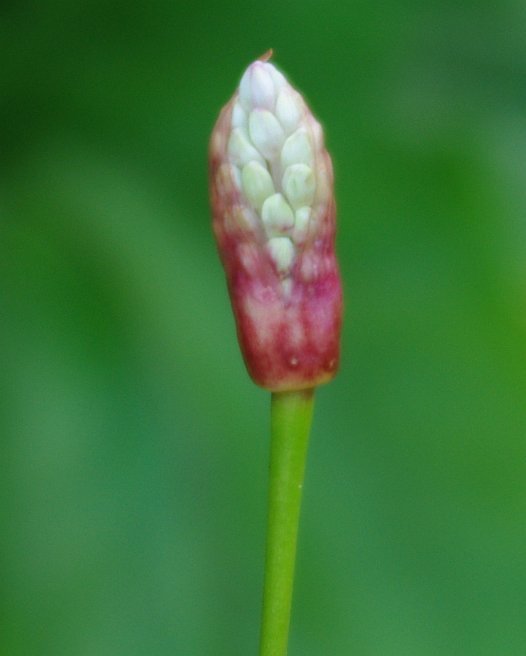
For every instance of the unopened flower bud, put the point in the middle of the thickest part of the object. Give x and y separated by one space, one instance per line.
277 215
257 184
265 132
288 109
257 88
299 183
297 149
274 220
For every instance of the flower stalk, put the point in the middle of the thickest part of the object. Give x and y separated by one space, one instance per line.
291 415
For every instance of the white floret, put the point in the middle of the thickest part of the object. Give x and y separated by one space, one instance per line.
282 252
299 185
297 149
272 147
241 150
277 215
256 88
301 224
265 132
257 184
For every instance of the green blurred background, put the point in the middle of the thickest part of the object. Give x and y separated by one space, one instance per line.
133 456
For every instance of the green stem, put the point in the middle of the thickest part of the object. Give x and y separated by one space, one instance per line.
290 427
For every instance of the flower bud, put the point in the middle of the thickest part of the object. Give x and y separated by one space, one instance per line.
273 212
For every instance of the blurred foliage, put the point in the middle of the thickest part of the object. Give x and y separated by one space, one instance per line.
134 448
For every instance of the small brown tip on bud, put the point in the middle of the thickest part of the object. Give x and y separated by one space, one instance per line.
267 55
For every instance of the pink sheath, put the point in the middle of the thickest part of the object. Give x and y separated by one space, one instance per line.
289 341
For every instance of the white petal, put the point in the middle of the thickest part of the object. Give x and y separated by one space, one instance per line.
265 132
239 116
256 88
282 251
277 77
240 149
299 185
297 149
301 224
289 109
277 215
257 184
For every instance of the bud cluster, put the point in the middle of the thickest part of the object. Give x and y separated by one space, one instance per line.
273 207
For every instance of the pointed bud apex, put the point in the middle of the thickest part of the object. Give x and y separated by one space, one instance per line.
256 88
274 220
